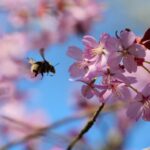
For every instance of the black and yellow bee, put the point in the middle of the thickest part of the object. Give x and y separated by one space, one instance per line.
41 67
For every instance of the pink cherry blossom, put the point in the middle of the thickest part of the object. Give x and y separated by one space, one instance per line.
124 123
9 92
57 18
141 75
95 50
80 67
140 107
13 48
129 50
117 92
115 72
13 45
19 121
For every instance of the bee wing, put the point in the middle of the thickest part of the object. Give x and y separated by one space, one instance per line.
42 50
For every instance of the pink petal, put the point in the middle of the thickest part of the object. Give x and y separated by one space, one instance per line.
125 79
137 50
138 96
93 71
130 64
89 41
87 91
76 71
112 44
134 110
116 59
125 93
122 78
146 90
127 38
75 53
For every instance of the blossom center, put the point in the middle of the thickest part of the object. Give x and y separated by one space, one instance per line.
125 52
84 64
99 50
146 102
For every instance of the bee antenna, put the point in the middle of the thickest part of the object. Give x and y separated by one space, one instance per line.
56 64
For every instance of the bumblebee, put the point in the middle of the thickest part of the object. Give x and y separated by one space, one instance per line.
41 67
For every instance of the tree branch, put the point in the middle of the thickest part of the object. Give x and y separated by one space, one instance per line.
38 132
86 128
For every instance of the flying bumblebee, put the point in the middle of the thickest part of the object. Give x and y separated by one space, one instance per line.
41 67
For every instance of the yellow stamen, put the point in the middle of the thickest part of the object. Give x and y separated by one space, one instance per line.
99 50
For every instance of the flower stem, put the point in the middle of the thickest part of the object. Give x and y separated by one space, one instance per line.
147 62
40 131
134 89
146 69
86 128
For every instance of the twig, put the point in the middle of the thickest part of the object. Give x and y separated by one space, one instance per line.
134 89
86 128
147 62
17 122
36 133
146 69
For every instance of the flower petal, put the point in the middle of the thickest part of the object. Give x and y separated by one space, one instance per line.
137 50
146 90
134 110
76 71
127 38
87 91
130 64
74 52
89 41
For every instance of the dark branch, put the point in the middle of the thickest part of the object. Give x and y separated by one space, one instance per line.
86 128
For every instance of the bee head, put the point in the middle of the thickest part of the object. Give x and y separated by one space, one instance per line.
52 69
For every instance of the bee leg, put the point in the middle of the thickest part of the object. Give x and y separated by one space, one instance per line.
35 73
42 76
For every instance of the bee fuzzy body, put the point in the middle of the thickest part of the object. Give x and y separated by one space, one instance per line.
41 67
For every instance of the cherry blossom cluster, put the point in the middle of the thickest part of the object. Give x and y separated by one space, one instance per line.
13 112
116 68
49 21
13 49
